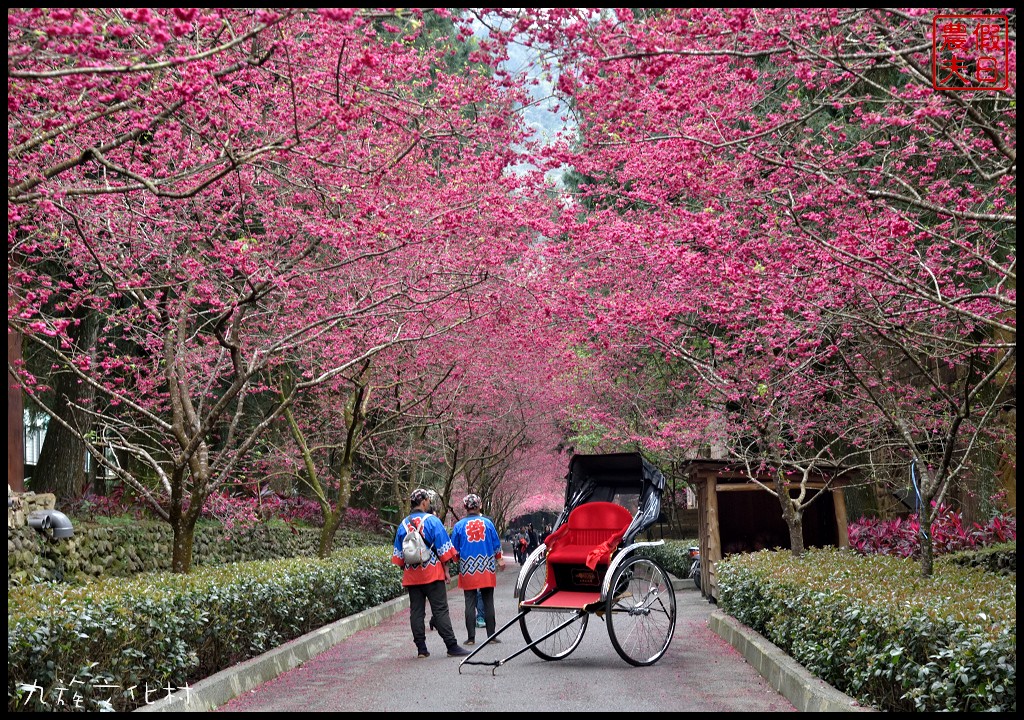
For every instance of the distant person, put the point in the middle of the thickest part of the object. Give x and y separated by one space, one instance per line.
522 542
479 547
547 531
427 581
534 539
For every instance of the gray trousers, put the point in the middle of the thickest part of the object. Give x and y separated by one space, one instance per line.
488 595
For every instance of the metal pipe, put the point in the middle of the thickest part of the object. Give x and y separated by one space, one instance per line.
57 523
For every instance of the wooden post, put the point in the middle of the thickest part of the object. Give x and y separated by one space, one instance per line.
707 567
839 502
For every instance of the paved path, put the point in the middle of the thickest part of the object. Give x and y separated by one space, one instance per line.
376 669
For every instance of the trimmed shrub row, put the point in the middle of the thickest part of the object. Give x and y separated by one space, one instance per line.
674 556
873 628
1000 558
109 643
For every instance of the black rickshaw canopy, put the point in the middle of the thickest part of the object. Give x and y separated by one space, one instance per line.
626 479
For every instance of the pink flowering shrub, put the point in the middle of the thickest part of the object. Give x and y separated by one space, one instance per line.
234 513
902 536
246 511
113 505
296 509
363 519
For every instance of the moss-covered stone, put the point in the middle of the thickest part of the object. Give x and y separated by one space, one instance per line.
124 550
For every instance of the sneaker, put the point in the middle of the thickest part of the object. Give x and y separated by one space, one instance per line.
470 642
493 640
422 654
457 651
480 622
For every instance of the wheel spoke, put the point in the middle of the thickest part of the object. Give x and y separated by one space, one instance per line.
537 623
642 628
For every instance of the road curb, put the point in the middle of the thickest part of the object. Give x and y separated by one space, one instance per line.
788 677
219 688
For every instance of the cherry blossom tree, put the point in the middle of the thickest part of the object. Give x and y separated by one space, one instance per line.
508 389
288 181
759 139
778 242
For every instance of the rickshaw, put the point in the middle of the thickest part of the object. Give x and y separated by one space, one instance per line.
590 565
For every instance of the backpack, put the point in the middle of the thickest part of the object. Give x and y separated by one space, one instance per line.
415 550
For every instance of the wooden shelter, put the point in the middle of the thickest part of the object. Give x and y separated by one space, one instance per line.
736 514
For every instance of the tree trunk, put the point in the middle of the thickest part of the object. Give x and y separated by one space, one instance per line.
794 520
184 534
98 479
332 521
345 483
332 517
1006 471
61 465
927 551
183 522
796 537
15 415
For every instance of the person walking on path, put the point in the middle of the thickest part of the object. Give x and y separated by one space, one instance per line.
522 541
479 547
426 582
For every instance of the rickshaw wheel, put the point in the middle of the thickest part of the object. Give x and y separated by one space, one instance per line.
537 623
641 611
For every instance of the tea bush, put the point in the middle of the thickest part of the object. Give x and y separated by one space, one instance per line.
674 556
873 628
1000 558
123 637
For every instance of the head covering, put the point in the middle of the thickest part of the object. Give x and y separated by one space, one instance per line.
419 495
472 502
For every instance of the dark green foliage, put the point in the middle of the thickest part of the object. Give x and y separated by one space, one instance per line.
166 629
674 556
1001 558
873 628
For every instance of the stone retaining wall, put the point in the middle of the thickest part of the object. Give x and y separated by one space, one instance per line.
99 550
21 505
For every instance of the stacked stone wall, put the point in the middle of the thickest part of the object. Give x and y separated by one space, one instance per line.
103 550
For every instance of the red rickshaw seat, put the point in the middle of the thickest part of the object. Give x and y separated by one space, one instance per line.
589 526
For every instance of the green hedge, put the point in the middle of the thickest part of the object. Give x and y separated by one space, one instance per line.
674 556
873 628
165 629
1001 558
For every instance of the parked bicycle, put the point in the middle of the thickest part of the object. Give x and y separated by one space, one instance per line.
694 573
